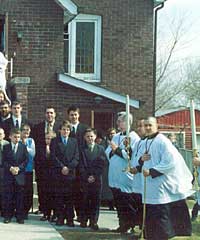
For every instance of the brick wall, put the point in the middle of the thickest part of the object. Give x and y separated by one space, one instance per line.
126 54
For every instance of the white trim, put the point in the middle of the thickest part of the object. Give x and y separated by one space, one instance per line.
68 5
97 90
97 51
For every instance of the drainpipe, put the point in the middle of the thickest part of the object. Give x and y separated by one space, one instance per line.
155 54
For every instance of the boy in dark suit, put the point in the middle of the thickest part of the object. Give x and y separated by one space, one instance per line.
92 159
15 157
65 157
16 119
77 131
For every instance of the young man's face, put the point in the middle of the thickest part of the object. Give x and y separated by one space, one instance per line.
2 135
74 117
5 110
16 110
90 137
25 132
15 138
50 115
141 128
111 134
65 131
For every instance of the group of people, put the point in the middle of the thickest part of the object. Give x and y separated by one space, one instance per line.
68 166
146 172
149 180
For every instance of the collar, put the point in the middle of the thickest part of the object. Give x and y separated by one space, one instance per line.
153 135
5 118
75 125
19 118
52 123
123 133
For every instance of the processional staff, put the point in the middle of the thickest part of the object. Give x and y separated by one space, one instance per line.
194 142
127 133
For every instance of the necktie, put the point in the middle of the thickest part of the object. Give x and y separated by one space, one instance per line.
64 141
14 148
17 124
73 133
90 147
49 127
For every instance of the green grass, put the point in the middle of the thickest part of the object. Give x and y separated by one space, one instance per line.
107 235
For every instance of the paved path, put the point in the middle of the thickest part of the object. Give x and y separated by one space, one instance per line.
34 229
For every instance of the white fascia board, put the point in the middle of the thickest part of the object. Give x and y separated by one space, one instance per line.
158 2
68 5
97 90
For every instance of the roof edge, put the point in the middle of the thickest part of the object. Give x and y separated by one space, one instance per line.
68 5
97 90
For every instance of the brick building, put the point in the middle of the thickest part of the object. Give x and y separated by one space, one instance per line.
85 52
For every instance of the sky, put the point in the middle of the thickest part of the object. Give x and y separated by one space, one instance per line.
187 11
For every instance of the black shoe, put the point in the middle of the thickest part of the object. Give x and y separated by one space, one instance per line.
44 218
60 222
37 212
83 224
70 224
94 226
7 220
53 219
20 221
78 219
120 230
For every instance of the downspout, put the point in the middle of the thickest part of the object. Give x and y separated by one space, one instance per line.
155 55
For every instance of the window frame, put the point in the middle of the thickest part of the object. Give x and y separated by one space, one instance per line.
89 77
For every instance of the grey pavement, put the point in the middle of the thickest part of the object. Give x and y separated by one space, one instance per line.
34 229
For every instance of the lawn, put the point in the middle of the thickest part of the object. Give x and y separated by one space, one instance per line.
106 235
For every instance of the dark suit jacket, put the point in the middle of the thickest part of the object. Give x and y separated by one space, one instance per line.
92 163
43 164
79 135
38 133
8 125
64 155
18 159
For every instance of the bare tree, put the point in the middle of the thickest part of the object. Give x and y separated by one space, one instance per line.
173 70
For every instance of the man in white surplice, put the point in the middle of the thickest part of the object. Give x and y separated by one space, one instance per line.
168 184
119 180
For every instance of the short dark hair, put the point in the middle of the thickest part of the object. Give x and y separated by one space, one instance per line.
15 103
87 130
15 131
4 102
25 125
73 108
66 124
50 107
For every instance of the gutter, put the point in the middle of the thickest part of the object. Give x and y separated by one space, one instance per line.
155 54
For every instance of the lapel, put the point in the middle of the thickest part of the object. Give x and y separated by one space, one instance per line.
91 155
18 152
64 148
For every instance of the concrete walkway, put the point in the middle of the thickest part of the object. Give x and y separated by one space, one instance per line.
34 229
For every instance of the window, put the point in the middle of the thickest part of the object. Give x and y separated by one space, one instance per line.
2 34
180 137
82 41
